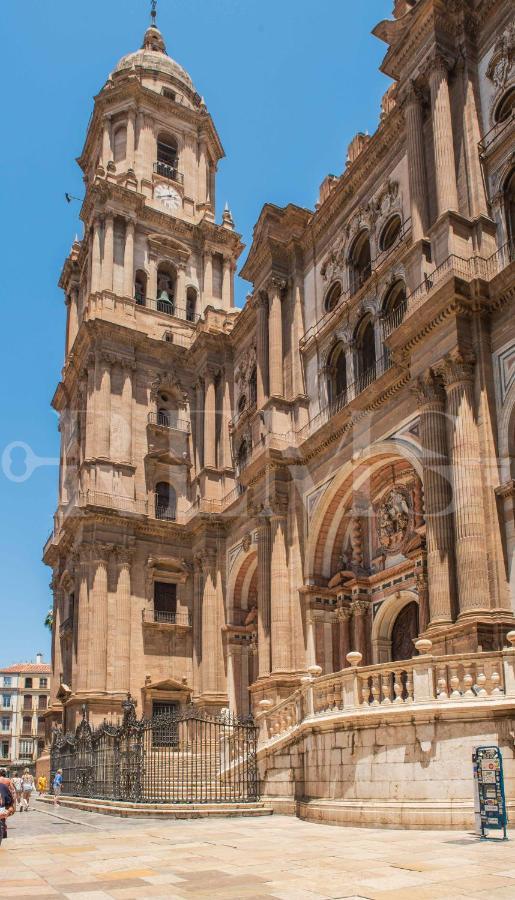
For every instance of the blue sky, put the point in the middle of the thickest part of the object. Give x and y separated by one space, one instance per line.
288 83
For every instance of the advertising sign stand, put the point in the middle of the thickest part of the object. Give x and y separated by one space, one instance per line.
490 802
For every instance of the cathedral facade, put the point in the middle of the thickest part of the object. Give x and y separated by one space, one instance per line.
255 499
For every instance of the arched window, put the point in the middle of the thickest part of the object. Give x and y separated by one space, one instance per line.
505 107
253 387
366 352
509 211
140 287
337 374
191 304
390 233
395 300
333 296
120 143
166 289
166 164
165 501
360 262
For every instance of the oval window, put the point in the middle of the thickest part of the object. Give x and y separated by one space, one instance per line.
390 233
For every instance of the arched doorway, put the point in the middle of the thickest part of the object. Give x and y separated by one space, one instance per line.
404 632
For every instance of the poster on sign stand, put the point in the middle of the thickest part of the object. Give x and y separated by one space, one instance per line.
489 790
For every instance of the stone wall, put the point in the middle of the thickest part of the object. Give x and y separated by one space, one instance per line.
411 771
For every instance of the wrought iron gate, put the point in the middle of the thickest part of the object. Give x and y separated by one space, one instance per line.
185 756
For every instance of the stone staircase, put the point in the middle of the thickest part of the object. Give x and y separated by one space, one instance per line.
127 809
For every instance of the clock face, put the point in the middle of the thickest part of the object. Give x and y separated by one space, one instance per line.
168 196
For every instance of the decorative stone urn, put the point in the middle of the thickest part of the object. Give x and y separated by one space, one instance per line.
354 658
315 671
424 646
511 638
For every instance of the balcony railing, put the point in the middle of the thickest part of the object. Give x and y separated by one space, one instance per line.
112 501
161 617
363 381
165 170
165 513
425 680
360 284
165 420
66 626
495 135
247 410
168 308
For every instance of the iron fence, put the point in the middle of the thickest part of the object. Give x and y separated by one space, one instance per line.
186 755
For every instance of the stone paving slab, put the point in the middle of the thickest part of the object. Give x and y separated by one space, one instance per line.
87 856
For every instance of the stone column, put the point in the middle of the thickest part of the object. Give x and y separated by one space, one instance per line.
469 515
275 339
103 406
180 299
213 681
121 650
261 303
128 262
437 498
73 323
96 263
131 138
423 602
89 443
226 418
97 637
57 657
208 276
232 700
445 168
152 277
344 614
226 283
107 153
416 162
202 172
107 265
197 626
311 649
360 612
83 640
126 412
471 137
279 593
199 456
296 334
209 419
263 570
67 303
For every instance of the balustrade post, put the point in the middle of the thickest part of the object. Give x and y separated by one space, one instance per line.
423 673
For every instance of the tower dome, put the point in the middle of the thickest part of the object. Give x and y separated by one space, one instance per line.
153 57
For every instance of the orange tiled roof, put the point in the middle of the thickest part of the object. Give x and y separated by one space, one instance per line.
30 668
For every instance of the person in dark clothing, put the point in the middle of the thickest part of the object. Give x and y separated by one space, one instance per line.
6 808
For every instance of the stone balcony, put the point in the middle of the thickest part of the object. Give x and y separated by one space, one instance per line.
431 684
166 620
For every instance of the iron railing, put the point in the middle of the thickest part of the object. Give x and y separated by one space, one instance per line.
168 308
162 617
168 171
167 420
185 756
495 133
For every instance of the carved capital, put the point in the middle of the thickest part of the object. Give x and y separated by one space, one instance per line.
344 613
124 556
276 285
457 368
360 607
429 390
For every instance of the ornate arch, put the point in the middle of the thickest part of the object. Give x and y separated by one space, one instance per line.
384 621
352 474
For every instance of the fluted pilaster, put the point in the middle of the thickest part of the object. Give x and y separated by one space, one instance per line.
213 679
97 637
121 650
437 498
275 339
279 595
107 263
103 406
263 563
261 303
128 262
469 516
81 667
344 615
96 262
445 166
416 162
209 419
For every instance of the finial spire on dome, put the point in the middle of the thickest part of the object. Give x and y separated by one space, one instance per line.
153 39
153 13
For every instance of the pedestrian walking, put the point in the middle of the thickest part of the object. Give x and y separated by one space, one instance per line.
57 786
27 788
18 787
42 785
7 802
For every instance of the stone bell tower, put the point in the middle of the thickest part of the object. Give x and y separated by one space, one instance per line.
152 269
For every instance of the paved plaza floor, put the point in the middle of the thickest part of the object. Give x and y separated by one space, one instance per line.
87 856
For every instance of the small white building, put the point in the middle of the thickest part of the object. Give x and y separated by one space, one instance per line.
24 693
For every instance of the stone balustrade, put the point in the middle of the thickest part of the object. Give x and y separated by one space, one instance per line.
422 680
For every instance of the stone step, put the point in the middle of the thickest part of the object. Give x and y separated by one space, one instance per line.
163 810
